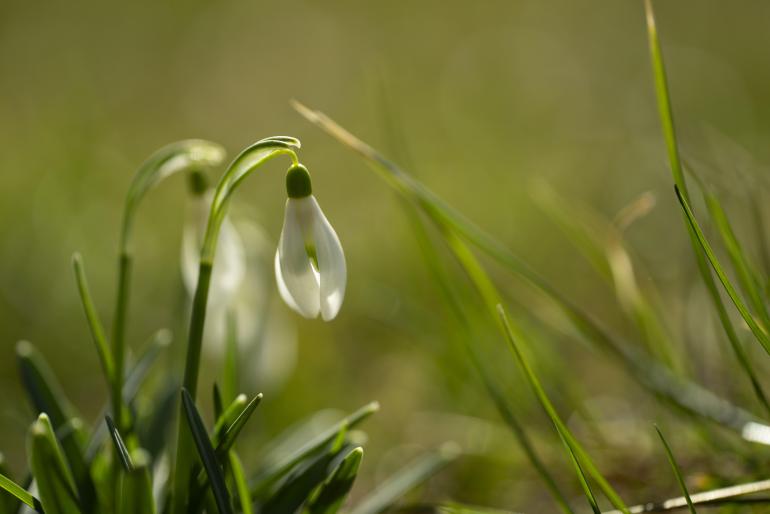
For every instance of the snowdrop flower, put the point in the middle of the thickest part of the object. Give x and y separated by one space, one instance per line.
309 264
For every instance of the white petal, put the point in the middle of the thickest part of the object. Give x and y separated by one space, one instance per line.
282 289
331 265
296 272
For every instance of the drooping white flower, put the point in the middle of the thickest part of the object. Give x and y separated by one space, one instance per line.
310 265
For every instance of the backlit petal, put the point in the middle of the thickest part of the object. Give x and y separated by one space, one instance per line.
331 265
296 272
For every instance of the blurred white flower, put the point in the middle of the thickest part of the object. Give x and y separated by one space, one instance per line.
240 286
230 263
309 264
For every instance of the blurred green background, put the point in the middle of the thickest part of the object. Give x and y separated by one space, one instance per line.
478 99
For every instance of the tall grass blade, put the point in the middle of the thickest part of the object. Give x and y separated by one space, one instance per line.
677 471
669 134
406 479
580 455
758 332
463 333
747 277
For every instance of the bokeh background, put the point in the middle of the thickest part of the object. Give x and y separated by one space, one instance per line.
482 101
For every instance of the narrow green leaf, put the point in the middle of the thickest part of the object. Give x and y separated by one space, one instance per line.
581 476
580 454
225 434
47 396
120 447
94 323
18 492
669 134
747 277
333 492
406 479
276 471
664 102
758 332
207 455
55 484
677 471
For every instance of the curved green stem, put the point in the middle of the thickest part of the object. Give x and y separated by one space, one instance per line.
243 165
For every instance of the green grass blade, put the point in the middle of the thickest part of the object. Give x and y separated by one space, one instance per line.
664 102
573 445
677 471
207 455
333 492
747 277
47 396
241 484
21 494
55 483
94 323
581 476
274 472
462 330
120 447
758 332
658 379
135 495
669 133
406 479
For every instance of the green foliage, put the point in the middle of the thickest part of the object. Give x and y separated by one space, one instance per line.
77 472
